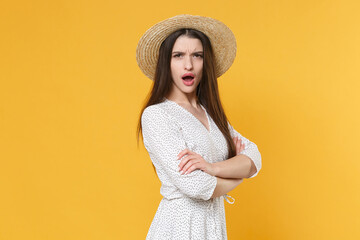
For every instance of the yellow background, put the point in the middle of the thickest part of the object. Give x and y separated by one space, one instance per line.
71 93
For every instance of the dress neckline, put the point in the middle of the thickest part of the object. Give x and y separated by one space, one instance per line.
207 116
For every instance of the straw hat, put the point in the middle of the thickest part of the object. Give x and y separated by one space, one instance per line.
221 37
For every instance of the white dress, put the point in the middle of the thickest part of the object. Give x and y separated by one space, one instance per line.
187 210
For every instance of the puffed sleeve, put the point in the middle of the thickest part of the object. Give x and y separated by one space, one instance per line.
250 150
163 140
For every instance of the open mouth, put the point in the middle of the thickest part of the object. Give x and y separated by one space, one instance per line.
188 78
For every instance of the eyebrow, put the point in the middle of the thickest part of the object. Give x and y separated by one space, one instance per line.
192 53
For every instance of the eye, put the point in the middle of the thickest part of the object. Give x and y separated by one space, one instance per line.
198 55
177 55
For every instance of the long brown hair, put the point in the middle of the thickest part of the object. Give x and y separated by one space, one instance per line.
207 91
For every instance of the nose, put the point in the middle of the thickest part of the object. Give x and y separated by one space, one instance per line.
188 63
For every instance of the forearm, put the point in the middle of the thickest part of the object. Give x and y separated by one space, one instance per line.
240 166
225 185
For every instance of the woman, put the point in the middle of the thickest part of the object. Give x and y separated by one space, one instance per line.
185 129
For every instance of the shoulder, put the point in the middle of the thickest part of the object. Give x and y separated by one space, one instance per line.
153 111
156 113
157 123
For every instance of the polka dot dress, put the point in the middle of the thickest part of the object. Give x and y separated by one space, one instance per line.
187 210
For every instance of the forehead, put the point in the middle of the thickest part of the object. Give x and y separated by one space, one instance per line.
186 43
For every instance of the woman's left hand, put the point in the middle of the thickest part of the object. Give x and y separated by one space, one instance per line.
239 145
194 161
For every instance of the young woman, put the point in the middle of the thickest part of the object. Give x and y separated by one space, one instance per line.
197 155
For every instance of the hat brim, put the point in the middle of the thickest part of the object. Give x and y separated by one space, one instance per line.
221 37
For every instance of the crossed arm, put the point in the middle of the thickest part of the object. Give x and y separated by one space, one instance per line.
230 173
246 164
163 140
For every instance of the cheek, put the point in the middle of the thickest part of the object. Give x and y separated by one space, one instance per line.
199 63
174 67
200 67
174 72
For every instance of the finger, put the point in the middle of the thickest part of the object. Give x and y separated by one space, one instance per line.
240 140
238 146
243 146
191 166
184 161
182 153
235 142
195 158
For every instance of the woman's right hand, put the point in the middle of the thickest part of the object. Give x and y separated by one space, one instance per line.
239 145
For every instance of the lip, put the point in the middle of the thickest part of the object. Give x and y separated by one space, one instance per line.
188 74
189 83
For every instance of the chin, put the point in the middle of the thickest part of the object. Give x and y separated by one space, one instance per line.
188 90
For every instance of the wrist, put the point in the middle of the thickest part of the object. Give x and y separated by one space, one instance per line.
215 169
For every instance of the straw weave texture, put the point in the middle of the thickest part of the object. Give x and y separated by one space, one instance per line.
221 37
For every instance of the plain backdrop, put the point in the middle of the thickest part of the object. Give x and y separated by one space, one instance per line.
71 94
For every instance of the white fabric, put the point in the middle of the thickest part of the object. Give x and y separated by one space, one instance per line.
187 210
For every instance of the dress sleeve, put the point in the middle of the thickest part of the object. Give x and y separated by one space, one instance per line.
251 150
163 140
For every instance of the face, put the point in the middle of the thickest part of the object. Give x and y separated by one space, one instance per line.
186 64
